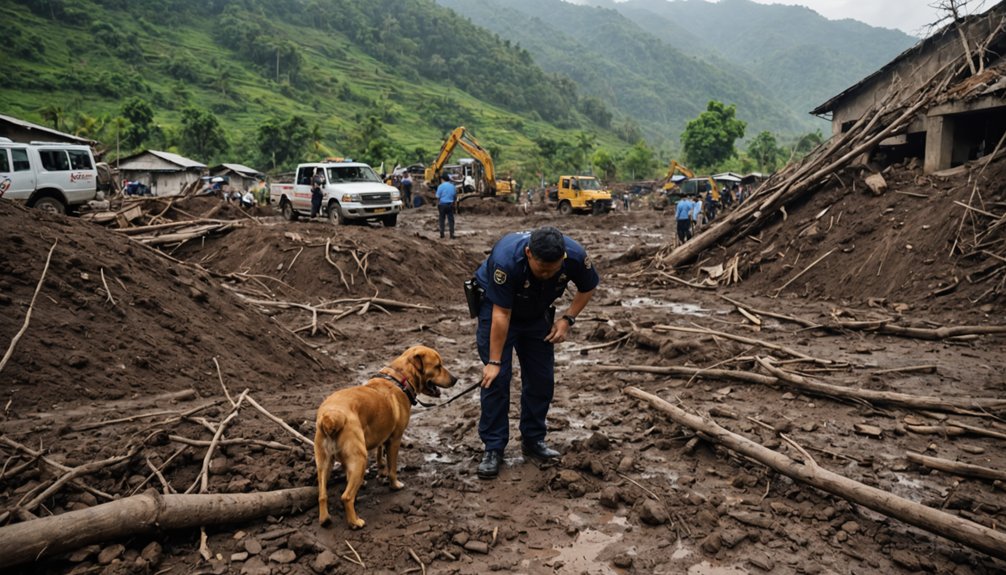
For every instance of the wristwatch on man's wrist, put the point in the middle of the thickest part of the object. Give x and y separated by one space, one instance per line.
569 319
495 362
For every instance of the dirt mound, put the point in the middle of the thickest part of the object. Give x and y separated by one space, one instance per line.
281 259
167 322
912 247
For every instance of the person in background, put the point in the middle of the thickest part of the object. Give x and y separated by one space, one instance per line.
469 184
522 277
698 217
317 183
683 216
262 191
407 190
248 200
447 193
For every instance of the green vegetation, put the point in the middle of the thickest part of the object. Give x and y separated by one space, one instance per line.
271 83
709 139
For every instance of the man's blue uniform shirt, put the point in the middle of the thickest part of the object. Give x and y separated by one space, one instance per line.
684 209
507 278
446 192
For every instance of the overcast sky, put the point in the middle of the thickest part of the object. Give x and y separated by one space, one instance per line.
910 16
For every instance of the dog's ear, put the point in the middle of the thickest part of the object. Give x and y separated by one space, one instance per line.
417 362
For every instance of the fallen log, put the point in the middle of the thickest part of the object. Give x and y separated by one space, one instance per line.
885 397
918 332
141 514
956 467
944 524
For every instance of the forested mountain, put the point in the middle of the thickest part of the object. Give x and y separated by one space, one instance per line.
609 56
805 58
383 80
659 62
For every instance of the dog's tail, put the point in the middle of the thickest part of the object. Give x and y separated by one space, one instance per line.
331 423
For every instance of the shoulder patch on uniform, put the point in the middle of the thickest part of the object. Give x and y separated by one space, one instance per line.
499 276
587 263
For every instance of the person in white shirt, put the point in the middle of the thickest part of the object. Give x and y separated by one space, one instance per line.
697 217
248 200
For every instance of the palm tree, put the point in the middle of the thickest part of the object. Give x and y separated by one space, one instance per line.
52 114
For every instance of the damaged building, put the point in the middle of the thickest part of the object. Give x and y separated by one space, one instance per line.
967 120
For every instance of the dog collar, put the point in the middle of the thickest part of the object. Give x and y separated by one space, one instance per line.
403 384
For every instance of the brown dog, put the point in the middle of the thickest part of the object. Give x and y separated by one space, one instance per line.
374 415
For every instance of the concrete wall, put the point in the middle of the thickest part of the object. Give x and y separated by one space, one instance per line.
161 183
915 68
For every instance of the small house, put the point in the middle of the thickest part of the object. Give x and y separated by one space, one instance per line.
163 172
240 177
969 117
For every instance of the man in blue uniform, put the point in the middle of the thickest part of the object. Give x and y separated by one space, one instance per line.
447 194
523 275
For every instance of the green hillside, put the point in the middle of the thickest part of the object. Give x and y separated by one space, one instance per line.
635 73
804 58
381 80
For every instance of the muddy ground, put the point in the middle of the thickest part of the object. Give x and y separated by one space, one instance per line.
118 330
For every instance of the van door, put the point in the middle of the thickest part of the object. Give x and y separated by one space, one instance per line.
22 177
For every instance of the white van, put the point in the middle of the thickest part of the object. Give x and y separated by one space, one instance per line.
51 176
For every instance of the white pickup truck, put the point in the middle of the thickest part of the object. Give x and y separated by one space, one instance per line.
51 176
352 191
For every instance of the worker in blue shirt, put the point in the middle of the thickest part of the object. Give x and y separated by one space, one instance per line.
522 277
447 192
683 215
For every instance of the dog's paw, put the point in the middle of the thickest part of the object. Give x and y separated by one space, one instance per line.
396 485
358 524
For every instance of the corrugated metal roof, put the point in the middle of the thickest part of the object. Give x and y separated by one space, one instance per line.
50 131
176 159
157 160
241 169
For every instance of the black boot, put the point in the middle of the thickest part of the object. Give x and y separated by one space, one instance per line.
489 468
538 450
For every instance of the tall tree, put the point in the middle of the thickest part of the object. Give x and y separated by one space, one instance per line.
639 161
765 151
54 115
709 139
282 142
201 134
140 118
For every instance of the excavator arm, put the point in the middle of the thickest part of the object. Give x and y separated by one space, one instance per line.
671 170
460 137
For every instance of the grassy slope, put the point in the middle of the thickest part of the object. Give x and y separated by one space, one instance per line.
250 98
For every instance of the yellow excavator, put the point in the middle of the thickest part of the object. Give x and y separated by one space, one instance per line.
486 185
690 185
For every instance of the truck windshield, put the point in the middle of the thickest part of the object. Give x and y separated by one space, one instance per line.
352 174
588 184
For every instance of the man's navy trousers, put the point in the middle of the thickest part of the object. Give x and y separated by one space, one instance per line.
537 378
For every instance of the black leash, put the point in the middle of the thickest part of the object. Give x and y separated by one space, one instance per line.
462 392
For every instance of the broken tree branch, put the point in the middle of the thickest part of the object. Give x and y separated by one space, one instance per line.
31 306
955 528
956 467
141 514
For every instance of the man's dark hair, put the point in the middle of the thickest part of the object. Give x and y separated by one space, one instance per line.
546 244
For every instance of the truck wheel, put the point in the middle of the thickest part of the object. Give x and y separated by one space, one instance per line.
335 214
289 214
51 205
565 208
390 221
